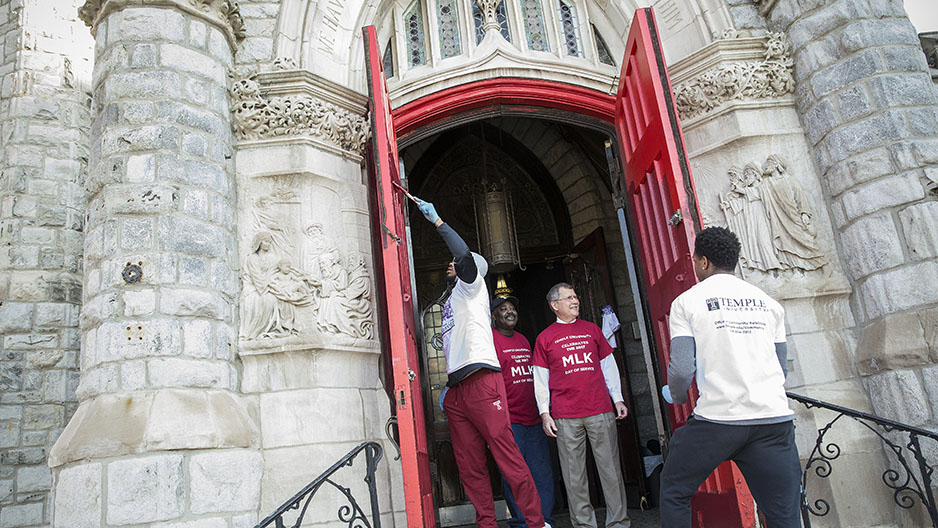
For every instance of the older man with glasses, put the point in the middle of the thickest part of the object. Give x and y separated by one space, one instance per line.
576 381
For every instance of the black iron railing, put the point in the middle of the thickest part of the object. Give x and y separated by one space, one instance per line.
352 514
910 479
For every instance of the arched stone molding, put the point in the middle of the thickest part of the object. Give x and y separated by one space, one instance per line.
324 38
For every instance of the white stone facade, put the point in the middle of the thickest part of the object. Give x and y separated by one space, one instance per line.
189 225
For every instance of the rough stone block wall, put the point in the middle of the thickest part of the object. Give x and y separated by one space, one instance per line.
870 111
45 63
260 24
159 376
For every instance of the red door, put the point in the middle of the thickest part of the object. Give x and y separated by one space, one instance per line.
664 212
394 280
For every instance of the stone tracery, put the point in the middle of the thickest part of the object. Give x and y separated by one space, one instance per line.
257 117
771 77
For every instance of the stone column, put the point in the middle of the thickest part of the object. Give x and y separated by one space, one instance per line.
44 118
160 433
870 111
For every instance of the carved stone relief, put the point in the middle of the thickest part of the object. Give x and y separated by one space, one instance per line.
488 8
296 283
255 116
772 216
771 77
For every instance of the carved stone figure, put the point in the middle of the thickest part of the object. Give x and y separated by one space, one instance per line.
315 248
345 307
762 253
770 213
732 205
793 234
271 291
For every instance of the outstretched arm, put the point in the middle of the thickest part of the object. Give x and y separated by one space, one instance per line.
462 258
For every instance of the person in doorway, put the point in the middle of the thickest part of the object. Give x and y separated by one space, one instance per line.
514 356
474 399
576 381
732 335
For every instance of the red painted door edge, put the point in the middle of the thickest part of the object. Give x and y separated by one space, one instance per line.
394 268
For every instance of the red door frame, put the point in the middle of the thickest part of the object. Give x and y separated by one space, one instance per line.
535 97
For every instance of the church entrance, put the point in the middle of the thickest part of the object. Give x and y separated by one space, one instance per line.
649 191
458 170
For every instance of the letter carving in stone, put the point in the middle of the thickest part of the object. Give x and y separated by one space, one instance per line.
771 77
771 214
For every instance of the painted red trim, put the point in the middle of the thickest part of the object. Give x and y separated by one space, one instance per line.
535 93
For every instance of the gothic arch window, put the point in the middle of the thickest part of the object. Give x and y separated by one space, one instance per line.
413 22
427 32
569 26
448 23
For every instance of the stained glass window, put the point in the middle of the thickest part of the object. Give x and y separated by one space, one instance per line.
479 20
449 28
534 25
501 15
388 61
568 22
602 49
436 359
413 21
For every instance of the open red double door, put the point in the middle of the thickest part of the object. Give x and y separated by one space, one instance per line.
661 202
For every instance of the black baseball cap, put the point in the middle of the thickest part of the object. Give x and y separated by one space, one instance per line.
497 301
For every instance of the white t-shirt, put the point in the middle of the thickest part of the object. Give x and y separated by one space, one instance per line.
735 327
468 337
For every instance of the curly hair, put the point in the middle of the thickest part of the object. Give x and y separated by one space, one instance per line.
720 246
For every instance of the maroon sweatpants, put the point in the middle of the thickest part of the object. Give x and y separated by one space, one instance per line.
477 411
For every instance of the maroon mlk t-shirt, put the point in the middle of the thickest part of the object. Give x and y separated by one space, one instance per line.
571 353
514 356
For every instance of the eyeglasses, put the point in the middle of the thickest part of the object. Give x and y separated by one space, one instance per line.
567 298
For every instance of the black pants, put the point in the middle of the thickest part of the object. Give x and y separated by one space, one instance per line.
765 454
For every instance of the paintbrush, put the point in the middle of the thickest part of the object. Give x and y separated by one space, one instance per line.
403 190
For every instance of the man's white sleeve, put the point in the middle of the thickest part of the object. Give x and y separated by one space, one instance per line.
542 389
611 374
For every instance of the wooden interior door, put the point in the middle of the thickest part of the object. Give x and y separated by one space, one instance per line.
662 204
396 295
588 272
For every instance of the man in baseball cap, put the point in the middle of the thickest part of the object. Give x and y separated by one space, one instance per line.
514 356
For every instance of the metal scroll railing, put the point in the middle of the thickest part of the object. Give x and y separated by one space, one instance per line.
352 513
909 476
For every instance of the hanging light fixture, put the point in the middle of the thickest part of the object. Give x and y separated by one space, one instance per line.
495 222
501 287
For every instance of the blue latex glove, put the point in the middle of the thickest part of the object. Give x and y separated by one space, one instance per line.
666 392
429 212
443 394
